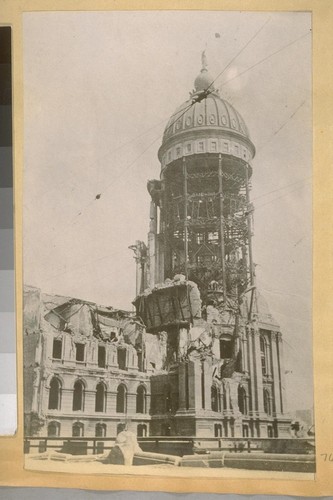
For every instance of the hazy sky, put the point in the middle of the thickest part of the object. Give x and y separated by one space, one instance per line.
99 89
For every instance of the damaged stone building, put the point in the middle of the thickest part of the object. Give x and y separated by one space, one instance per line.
87 368
202 355
224 372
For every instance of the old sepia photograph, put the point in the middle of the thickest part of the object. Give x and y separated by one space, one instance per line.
167 243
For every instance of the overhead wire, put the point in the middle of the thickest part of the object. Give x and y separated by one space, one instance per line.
265 59
239 52
280 128
136 158
114 150
281 188
278 198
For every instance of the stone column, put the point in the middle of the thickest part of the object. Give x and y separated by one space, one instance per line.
111 403
194 385
152 244
148 402
66 400
238 428
244 350
35 393
89 401
282 373
131 403
251 361
207 385
263 430
276 376
182 386
258 372
226 390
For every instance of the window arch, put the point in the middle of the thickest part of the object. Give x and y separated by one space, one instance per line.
55 394
242 400
53 429
100 398
215 398
78 396
141 399
100 430
121 405
267 402
78 429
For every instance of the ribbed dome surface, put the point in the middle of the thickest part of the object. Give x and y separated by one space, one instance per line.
211 113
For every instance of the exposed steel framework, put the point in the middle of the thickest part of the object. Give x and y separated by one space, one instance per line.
206 223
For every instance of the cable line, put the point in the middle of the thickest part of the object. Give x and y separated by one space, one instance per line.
280 128
265 59
279 197
238 53
281 188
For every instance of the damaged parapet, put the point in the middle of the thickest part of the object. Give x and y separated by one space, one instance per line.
171 303
174 308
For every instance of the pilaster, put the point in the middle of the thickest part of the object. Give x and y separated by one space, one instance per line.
276 375
258 386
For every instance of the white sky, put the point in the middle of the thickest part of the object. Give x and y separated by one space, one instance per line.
95 81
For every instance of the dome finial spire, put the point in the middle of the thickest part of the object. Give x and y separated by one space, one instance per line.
204 60
204 80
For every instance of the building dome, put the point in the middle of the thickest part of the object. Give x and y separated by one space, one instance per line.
211 113
205 117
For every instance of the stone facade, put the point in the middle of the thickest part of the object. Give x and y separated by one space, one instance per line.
78 379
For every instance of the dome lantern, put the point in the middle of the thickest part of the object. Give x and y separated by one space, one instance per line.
204 80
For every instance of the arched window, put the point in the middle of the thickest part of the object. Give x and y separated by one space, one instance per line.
53 429
78 429
141 399
55 394
263 355
121 399
78 396
100 430
100 398
215 398
267 402
141 430
242 400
